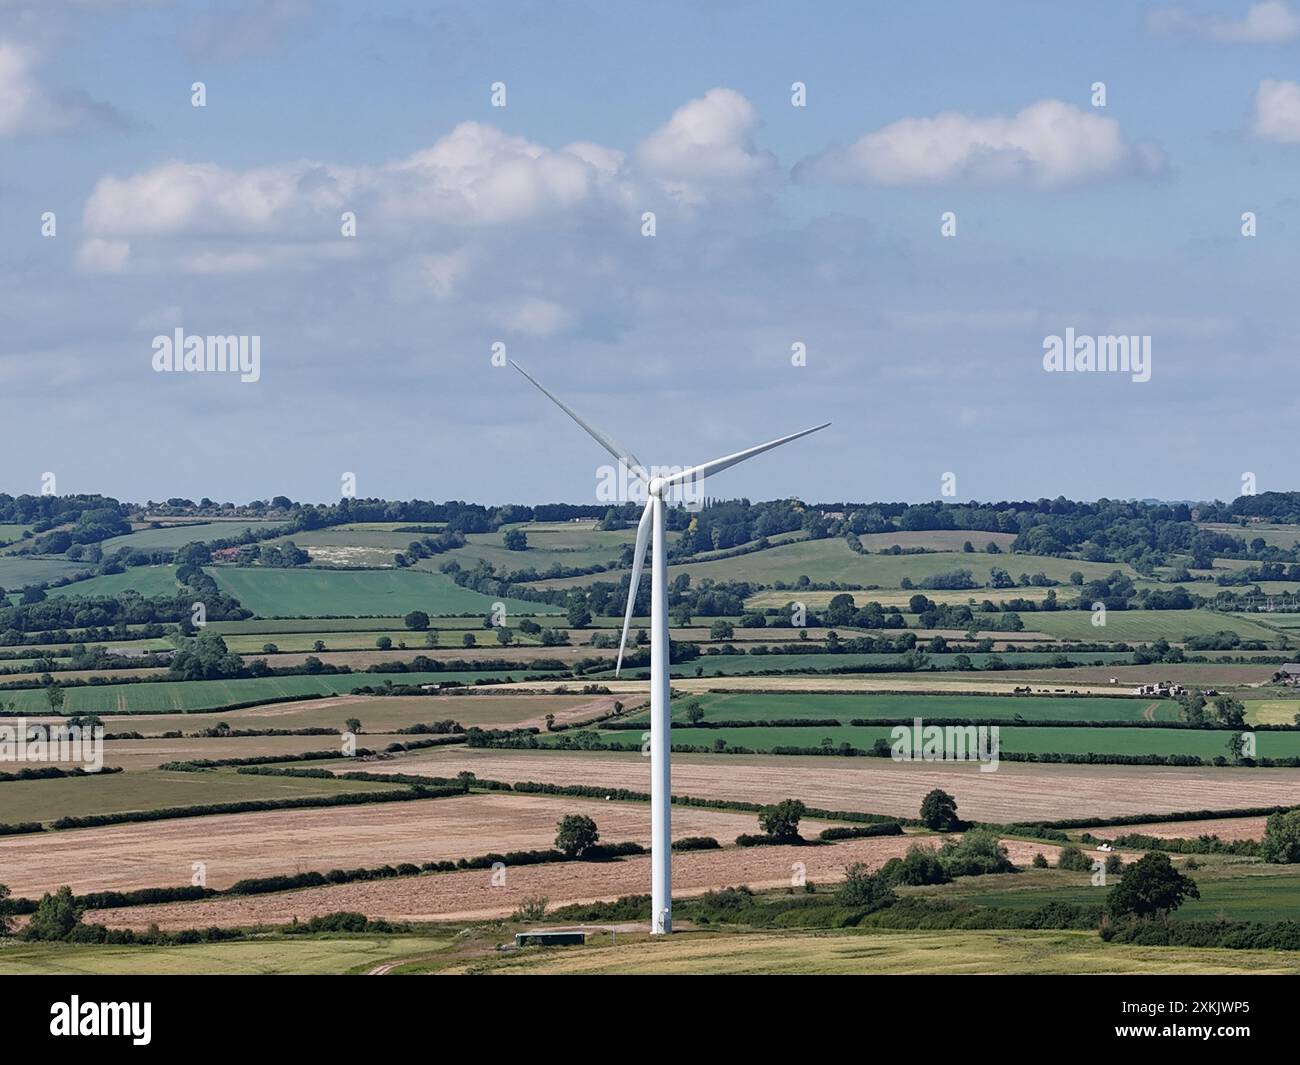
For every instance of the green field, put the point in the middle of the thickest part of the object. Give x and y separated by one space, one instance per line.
9 532
845 708
744 664
147 580
294 593
19 570
152 789
1206 744
1238 891
280 955
168 538
881 953
1144 625
833 560
206 694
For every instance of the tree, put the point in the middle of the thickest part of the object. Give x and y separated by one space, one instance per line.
782 819
576 609
416 621
863 889
318 646
694 713
468 640
939 811
56 916
515 540
1150 886
504 636
1230 711
1281 841
54 696
353 725
6 907
431 638
270 649
721 629
577 834
384 643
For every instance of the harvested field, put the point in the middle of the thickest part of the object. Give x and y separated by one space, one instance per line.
377 713
1226 828
1017 791
236 846
471 896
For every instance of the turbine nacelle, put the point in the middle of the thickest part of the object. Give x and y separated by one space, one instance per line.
657 487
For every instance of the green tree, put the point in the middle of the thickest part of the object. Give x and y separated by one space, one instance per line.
1150 886
1281 841
384 643
56 916
782 818
416 621
353 725
939 811
577 611
54 696
721 629
694 712
515 540
431 638
577 834
865 890
6 908
1230 711
468 640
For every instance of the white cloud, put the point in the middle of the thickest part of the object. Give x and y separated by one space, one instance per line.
97 256
1048 143
475 176
1277 111
538 317
1270 22
26 106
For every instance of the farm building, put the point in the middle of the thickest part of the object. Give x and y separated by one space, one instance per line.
1289 673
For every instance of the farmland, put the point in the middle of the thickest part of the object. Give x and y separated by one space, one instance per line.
1056 685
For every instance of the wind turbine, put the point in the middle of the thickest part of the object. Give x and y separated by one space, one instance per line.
651 528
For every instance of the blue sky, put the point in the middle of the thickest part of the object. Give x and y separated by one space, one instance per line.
774 225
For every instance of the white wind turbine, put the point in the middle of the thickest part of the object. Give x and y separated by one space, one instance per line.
652 518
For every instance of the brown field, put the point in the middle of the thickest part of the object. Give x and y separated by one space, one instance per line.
470 895
1017 791
1226 828
235 846
377 713
135 755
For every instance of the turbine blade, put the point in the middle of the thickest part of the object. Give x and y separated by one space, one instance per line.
638 559
718 465
604 439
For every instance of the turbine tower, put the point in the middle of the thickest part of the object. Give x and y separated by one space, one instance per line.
651 529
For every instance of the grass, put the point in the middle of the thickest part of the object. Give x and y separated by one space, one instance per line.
208 694
168 538
1206 744
1140 625
276 955
1272 711
832 560
1237 891
882 953
151 789
307 592
147 580
19 570
741 707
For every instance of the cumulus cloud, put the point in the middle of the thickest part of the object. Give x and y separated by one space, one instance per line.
707 140
27 106
474 176
1048 143
1277 111
97 256
1270 22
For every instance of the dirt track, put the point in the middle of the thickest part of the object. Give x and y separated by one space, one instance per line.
471 896
1017 791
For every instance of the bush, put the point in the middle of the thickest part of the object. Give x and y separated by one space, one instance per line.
920 866
1073 859
1039 861
865 890
697 843
783 818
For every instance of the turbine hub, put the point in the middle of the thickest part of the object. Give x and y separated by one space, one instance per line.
656 487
